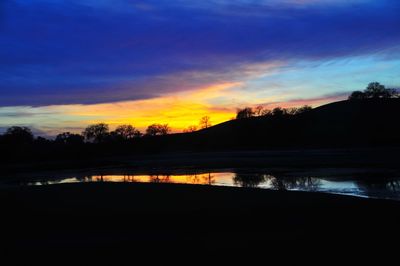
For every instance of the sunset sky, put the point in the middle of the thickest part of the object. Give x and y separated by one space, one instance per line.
65 64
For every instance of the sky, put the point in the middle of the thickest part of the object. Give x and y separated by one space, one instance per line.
65 64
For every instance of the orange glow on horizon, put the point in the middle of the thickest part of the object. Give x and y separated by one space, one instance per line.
179 111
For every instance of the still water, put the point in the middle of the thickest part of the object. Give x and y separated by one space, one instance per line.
388 188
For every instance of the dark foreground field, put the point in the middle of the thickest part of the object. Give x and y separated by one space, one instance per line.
100 219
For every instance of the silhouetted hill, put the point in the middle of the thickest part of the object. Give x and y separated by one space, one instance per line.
344 123
358 123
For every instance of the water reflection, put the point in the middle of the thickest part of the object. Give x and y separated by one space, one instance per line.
367 187
298 183
388 187
200 179
250 180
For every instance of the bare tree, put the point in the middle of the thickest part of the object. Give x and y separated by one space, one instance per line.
292 111
258 111
158 129
68 138
127 132
246 112
190 129
279 111
165 129
205 122
304 109
266 112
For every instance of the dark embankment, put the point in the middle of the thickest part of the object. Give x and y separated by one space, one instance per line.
101 218
366 123
359 123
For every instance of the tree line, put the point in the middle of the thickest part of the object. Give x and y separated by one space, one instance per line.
96 133
249 112
375 90
205 122
101 133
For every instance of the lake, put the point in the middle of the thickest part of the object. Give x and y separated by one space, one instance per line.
361 186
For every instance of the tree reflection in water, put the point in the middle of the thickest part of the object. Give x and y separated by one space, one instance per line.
129 178
295 183
84 178
375 187
193 179
278 183
159 179
203 179
249 180
209 179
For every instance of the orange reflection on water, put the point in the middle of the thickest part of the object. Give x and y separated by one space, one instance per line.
199 179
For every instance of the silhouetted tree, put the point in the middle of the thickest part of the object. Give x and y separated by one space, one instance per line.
292 111
96 133
357 95
296 110
374 90
40 141
18 135
304 109
259 110
158 129
266 112
190 129
246 112
68 138
279 111
127 132
205 122
152 130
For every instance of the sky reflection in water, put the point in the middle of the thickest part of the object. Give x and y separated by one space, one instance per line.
382 188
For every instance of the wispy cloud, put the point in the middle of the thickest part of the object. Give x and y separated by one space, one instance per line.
314 102
65 64
86 52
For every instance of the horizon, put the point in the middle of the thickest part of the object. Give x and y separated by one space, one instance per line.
39 133
67 65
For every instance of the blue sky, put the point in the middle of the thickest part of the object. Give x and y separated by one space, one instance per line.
59 54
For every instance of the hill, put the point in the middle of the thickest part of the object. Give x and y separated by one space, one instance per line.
345 123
